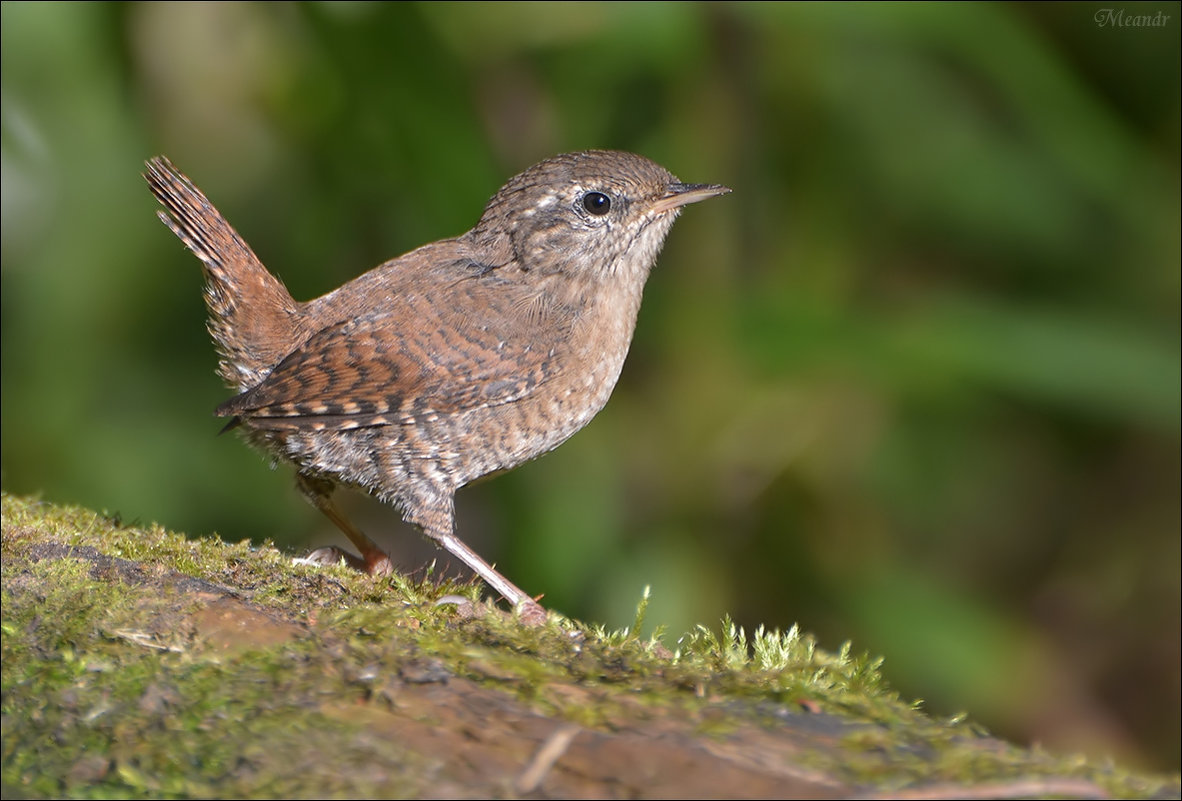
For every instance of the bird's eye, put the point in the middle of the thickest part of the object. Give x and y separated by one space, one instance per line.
597 203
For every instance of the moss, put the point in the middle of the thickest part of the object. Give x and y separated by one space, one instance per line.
139 663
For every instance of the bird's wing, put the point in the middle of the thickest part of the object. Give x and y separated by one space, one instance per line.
379 369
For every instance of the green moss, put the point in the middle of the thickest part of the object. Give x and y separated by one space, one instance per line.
138 663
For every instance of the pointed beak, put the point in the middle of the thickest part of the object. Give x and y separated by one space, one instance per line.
678 195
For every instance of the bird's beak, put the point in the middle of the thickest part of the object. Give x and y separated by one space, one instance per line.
678 195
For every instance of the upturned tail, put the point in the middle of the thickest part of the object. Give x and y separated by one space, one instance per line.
253 319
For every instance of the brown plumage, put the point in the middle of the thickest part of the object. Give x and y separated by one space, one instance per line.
463 358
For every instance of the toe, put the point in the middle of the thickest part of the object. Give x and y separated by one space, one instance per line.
330 557
531 613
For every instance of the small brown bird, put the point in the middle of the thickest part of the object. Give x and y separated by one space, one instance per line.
460 359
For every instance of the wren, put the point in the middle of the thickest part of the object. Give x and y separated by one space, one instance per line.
463 358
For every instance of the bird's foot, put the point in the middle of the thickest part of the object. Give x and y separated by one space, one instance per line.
376 563
528 613
531 613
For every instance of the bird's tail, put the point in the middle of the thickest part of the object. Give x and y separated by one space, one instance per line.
253 319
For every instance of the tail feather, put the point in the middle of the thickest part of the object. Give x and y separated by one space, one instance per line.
253 319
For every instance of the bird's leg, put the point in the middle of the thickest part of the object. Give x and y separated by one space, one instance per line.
437 520
373 559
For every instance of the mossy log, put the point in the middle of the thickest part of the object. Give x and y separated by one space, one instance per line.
140 663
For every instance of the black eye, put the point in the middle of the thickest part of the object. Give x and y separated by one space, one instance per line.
597 203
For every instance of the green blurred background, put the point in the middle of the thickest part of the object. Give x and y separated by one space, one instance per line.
914 384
